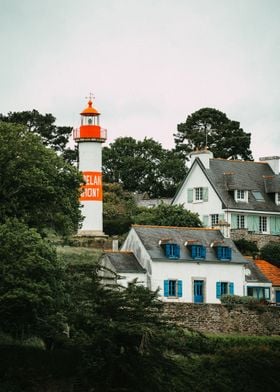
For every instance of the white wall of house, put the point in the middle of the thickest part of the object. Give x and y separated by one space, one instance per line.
211 273
128 277
133 244
196 179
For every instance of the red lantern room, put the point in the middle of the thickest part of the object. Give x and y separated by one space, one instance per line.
90 128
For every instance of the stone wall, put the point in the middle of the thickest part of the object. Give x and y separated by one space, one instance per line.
259 239
216 318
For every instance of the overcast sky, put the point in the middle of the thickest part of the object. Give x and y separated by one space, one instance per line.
149 63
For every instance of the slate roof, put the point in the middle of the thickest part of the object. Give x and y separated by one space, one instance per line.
125 262
151 235
270 271
256 275
228 175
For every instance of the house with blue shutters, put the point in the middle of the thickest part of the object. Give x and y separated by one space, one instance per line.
233 194
185 264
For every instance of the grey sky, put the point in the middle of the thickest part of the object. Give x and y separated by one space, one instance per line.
149 63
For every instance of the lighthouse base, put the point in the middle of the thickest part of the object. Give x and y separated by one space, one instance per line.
91 233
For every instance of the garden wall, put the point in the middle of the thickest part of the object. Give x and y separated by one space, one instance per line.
216 318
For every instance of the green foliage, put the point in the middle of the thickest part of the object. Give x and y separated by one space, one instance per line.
224 137
143 166
37 186
246 247
271 253
238 300
31 289
167 215
118 207
44 125
121 335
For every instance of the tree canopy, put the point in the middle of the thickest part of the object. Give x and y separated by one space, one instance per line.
31 289
36 185
118 208
143 166
167 215
208 127
271 253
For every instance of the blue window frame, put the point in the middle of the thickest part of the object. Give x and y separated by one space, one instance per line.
223 252
224 288
173 288
198 252
172 251
259 292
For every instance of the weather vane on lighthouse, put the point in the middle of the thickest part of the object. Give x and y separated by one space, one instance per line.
91 96
90 137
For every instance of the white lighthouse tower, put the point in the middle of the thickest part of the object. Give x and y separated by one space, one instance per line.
90 137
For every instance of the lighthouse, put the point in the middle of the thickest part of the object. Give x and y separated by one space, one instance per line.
90 137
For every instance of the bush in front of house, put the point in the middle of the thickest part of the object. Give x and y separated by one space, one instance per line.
271 252
247 248
238 300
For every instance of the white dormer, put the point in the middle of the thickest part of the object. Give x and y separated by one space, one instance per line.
241 195
203 155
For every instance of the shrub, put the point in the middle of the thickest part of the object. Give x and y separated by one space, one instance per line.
246 247
271 252
238 300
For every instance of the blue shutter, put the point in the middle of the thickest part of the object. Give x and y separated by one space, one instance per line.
203 252
193 251
219 252
190 195
179 288
167 250
205 220
166 288
231 288
233 221
228 253
205 194
218 289
177 251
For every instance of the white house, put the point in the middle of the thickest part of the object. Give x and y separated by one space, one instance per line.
233 194
185 264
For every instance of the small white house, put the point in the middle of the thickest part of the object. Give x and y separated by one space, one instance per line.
185 264
233 194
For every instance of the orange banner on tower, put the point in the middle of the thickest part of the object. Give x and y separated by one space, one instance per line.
92 190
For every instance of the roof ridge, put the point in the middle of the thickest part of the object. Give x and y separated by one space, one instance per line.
236 160
176 227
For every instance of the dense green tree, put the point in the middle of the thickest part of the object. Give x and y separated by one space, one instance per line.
52 135
31 288
36 185
118 208
143 166
167 215
126 343
208 127
271 253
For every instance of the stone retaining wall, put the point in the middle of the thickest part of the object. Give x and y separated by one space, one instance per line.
259 239
216 318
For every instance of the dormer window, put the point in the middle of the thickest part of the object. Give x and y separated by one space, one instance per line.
223 252
240 195
198 252
277 198
171 249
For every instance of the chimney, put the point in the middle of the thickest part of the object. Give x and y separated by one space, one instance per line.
115 245
273 163
203 155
